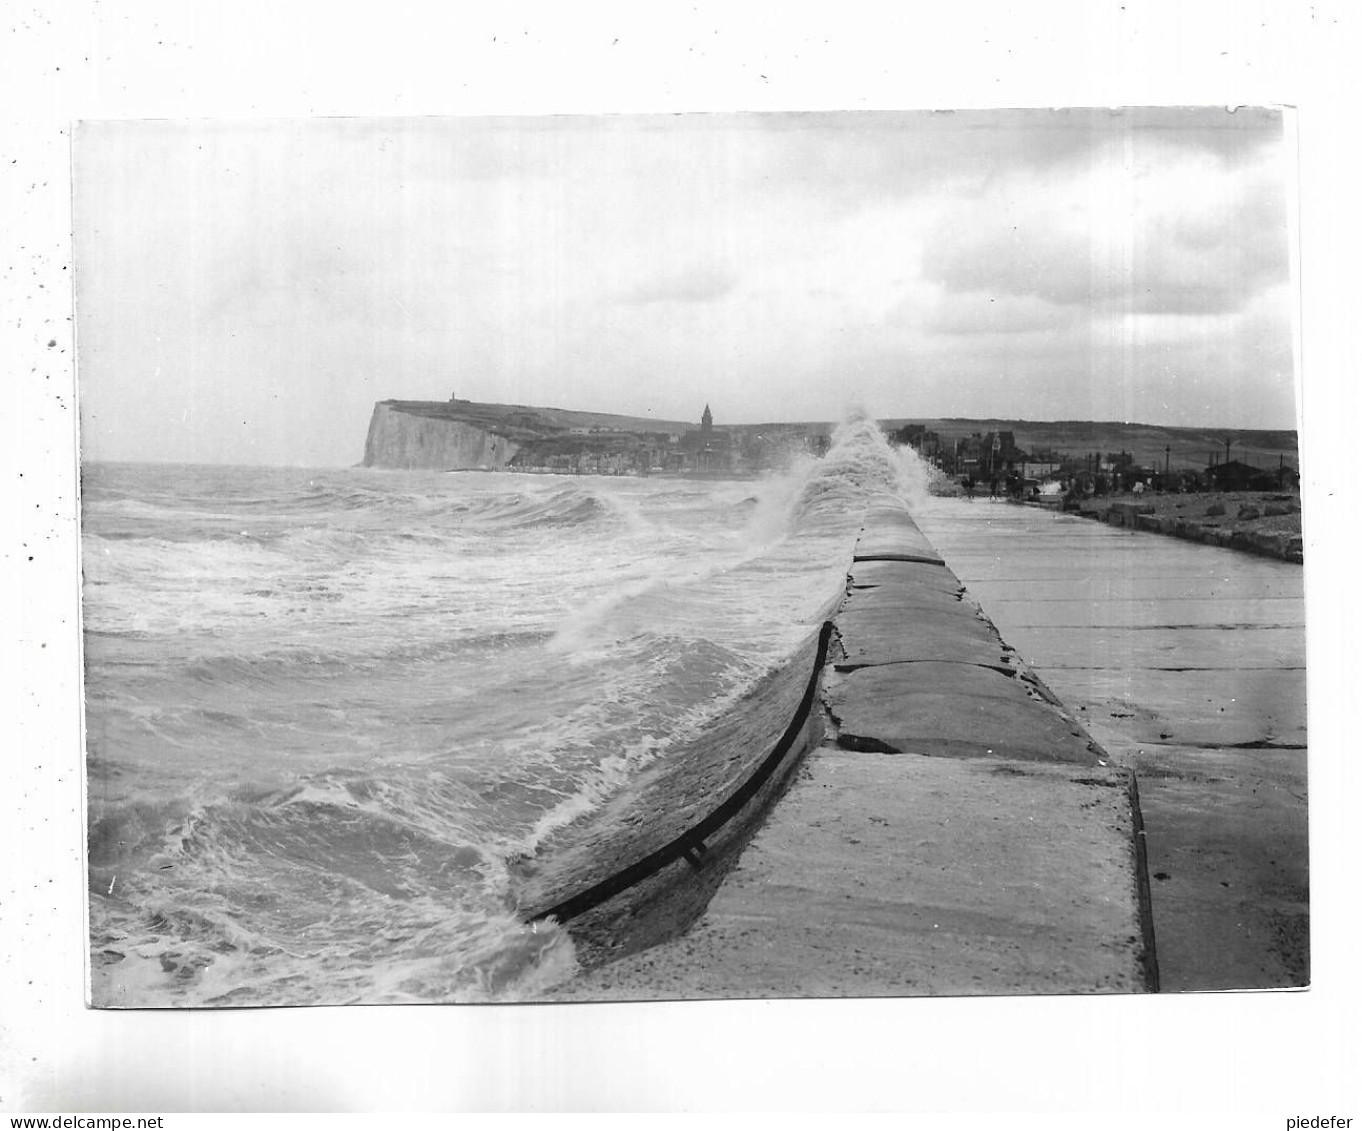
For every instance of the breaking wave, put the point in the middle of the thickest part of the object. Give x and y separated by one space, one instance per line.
328 710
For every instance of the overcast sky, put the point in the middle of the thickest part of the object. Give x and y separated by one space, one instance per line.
247 291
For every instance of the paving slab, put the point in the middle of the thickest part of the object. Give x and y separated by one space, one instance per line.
1023 609
1229 866
954 711
903 576
891 535
1219 751
891 875
889 517
926 598
1212 709
902 634
1176 648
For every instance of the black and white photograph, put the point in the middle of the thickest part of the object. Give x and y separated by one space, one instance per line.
679 558
705 555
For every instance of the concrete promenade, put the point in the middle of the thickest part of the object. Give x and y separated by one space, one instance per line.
1187 663
956 832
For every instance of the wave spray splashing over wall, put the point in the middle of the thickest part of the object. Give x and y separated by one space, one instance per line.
327 709
861 469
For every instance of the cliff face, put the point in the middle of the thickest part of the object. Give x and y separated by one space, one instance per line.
403 439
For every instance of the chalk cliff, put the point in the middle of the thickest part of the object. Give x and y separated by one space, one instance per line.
460 434
404 437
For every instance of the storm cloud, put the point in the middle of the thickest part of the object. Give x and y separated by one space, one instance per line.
234 278
1178 235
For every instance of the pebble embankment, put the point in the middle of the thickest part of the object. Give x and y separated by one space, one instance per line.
1265 524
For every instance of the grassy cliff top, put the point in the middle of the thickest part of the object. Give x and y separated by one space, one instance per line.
506 418
1189 446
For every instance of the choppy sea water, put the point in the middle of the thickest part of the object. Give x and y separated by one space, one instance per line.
326 709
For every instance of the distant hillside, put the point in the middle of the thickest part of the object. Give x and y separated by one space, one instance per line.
458 433
1187 447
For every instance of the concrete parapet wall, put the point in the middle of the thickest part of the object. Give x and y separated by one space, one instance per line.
956 831
675 798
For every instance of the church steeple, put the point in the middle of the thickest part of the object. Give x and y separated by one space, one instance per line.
706 420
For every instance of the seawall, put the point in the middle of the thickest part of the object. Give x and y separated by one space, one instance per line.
951 830
411 441
654 842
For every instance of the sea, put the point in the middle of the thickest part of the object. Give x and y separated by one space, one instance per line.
326 710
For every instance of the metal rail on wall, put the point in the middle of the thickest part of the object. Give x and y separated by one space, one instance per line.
690 844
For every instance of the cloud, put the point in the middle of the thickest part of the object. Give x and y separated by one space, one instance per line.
1235 136
688 285
1032 262
850 159
976 312
1186 233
